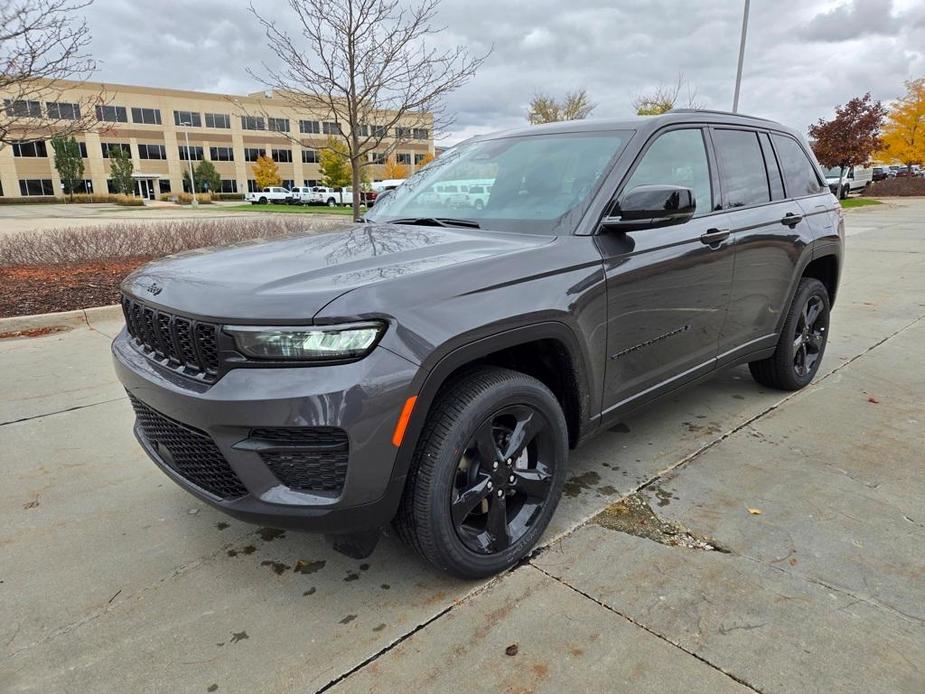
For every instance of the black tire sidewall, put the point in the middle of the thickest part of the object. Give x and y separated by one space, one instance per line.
453 554
808 288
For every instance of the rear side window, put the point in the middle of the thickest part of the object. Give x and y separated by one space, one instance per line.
741 168
677 158
799 173
770 162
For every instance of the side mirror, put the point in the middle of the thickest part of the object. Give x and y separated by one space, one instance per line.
650 207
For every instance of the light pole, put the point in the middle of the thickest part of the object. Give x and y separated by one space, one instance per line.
189 161
735 99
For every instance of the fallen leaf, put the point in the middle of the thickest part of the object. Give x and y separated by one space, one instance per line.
873 400
755 511
511 650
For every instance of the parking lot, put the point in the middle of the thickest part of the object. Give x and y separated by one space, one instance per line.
729 538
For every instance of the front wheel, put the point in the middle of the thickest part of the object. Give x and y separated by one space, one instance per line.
801 343
332 202
262 201
487 473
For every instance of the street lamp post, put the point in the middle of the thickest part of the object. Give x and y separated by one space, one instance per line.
735 99
189 161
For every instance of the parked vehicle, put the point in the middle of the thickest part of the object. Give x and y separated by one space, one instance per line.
273 195
881 173
301 195
853 179
432 371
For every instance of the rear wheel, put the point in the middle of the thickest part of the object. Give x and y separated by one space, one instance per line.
332 202
487 473
801 343
262 201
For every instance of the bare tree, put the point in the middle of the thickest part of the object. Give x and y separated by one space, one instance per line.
368 63
547 109
665 98
41 43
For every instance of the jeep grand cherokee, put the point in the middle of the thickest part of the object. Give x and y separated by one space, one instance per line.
431 366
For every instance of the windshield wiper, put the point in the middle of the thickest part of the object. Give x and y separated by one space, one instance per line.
437 222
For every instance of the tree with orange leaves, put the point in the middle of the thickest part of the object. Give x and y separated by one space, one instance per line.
266 172
904 131
393 169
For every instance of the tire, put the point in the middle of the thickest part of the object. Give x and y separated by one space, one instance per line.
782 370
262 201
332 202
845 192
479 204
488 401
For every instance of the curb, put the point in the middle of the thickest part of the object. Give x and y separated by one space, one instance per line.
82 317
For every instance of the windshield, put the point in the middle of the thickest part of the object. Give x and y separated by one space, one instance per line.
537 183
833 172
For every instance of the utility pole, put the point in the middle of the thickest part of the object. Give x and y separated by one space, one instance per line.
189 160
735 99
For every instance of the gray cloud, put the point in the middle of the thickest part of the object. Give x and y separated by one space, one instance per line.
803 56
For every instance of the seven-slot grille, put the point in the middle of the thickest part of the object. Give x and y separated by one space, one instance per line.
190 453
181 343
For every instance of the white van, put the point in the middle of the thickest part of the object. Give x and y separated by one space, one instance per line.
853 180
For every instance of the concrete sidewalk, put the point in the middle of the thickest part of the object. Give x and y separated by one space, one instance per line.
113 579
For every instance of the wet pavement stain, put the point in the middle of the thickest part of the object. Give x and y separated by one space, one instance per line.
579 483
221 525
608 490
309 567
238 636
270 534
634 516
364 567
711 428
351 576
349 618
620 428
310 591
379 627
664 496
278 567
212 687
385 586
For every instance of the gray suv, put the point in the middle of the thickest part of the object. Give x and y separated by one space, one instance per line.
433 371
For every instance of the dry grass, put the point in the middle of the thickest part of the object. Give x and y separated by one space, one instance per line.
130 240
901 187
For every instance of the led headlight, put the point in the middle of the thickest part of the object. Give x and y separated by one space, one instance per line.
306 343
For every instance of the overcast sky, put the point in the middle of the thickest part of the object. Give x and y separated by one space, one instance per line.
803 56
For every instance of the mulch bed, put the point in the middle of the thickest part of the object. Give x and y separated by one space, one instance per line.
28 289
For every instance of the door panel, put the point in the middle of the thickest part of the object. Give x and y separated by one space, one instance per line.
667 289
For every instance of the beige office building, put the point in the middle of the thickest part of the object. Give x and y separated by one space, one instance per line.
154 125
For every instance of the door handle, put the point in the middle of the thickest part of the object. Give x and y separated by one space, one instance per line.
791 220
714 236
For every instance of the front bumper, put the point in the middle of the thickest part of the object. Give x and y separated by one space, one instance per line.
363 398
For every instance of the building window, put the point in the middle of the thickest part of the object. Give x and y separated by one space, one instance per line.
363 130
403 158
403 133
107 147
377 157
279 125
252 123
330 128
85 186
252 153
61 110
252 186
309 156
419 158
218 120
23 109
82 146
282 155
228 186
288 183
35 148
380 131
35 186
147 116
192 153
152 152
221 154
421 134
310 182
187 118
164 185
309 127
111 114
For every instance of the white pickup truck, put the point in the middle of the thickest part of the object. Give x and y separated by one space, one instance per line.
273 194
320 195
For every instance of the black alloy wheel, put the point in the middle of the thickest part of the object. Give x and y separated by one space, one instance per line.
503 479
809 336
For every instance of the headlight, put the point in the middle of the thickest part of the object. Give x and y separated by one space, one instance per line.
308 343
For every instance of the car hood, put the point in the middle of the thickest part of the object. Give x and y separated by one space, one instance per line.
292 278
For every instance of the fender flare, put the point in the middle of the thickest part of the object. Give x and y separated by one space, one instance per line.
813 251
428 384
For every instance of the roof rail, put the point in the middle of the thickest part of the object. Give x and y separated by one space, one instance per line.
717 112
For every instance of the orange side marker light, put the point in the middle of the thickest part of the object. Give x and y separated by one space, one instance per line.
402 423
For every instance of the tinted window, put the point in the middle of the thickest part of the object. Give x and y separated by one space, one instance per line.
677 158
799 173
770 162
741 168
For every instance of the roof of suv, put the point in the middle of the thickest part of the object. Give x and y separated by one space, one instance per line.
646 123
